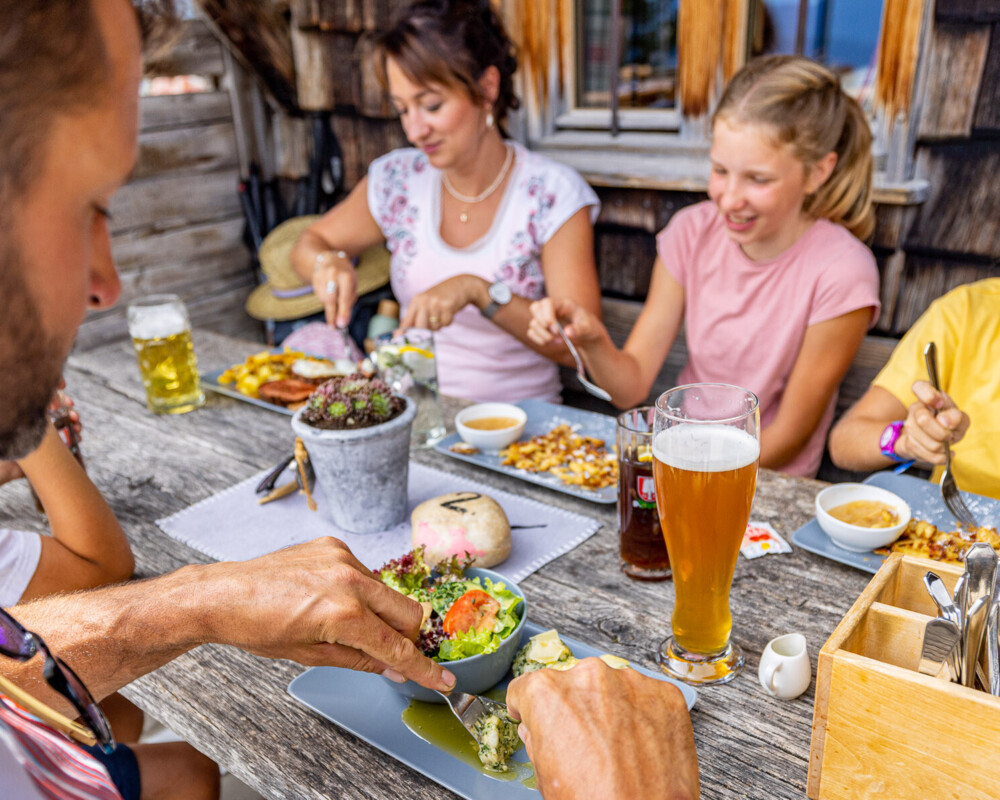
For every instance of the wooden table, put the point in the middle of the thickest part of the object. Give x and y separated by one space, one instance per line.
234 706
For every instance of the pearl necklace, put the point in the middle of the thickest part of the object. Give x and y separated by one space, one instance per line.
464 198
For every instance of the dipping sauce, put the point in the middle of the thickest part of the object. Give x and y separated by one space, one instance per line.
866 514
490 423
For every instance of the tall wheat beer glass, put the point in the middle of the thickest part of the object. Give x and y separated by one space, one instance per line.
706 445
161 335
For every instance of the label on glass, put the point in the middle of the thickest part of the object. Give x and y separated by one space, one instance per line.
646 491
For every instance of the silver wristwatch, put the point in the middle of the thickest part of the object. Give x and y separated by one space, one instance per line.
500 295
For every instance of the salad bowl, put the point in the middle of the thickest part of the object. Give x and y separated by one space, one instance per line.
476 673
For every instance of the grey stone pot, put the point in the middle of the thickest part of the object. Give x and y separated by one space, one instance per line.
363 473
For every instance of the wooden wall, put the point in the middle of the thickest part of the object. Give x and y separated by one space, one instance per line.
954 236
176 226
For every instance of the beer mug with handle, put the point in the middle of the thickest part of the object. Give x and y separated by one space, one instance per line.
706 446
161 335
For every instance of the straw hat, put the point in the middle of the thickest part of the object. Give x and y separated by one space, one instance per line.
283 296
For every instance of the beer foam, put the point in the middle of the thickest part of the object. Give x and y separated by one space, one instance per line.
157 323
705 448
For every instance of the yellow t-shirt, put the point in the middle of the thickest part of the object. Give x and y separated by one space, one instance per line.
965 326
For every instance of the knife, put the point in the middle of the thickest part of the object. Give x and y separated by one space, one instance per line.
940 638
993 650
981 567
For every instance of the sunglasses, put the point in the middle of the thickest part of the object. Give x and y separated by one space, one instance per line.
18 643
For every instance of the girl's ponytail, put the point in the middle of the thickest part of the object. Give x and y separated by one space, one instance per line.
846 196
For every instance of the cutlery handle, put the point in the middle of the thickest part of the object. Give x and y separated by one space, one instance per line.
569 345
930 359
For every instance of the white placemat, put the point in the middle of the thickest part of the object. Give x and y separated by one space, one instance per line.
231 526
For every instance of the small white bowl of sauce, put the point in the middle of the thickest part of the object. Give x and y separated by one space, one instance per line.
859 517
491 426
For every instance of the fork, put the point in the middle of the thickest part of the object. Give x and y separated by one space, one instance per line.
593 388
470 707
949 491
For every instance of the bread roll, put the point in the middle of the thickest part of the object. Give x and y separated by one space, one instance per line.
462 523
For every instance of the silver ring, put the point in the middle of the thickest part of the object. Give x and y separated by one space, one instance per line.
331 286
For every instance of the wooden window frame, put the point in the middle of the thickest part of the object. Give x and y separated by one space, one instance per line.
547 31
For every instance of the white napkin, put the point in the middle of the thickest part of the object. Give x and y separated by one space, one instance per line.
231 526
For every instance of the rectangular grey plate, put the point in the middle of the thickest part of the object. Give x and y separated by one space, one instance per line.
365 705
925 503
543 417
210 381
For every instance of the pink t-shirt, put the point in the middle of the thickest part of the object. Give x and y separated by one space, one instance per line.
477 360
745 320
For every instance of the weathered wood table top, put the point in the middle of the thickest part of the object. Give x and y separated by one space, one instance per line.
234 706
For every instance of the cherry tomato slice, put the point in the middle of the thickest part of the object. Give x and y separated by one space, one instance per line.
474 609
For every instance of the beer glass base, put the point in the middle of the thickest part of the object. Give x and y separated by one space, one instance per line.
644 573
699 669
181 408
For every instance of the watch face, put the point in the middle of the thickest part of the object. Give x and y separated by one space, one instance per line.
885 438
500 293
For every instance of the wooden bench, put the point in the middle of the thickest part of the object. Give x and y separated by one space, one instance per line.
620 316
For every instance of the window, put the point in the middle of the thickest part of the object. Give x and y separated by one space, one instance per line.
840 33
648 60
843 34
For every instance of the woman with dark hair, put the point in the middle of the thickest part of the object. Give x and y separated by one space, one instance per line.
478 226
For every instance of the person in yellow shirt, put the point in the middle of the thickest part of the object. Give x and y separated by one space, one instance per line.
901 417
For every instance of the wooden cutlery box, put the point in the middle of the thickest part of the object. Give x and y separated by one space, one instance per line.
880 728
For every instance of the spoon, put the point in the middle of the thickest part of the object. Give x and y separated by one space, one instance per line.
942 599
581 374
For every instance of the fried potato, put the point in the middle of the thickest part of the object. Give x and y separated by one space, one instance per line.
921 538
262 367
576 460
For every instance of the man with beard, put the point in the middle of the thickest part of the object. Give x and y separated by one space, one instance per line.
69 75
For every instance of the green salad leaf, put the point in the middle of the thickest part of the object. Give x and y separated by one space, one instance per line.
468 644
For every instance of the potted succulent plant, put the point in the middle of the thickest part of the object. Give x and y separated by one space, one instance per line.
357 433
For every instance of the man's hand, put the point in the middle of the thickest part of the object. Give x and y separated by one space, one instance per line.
317 604
597 732
930 423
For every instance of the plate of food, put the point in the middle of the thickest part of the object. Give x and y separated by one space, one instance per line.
426 737
931 531
279 380
562 448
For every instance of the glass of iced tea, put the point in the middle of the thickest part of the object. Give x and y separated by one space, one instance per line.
161 336
643 553
706 446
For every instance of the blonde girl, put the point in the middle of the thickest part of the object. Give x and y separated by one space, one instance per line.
770 276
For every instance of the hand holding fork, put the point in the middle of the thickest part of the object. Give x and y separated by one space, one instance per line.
949 490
